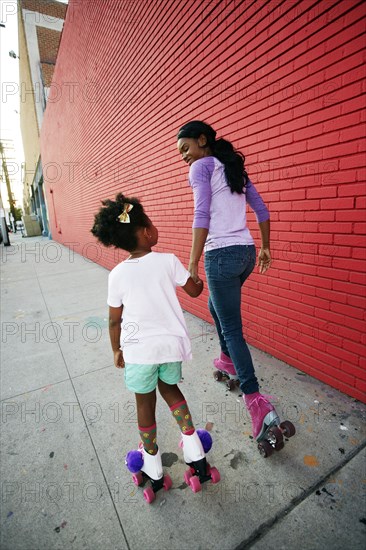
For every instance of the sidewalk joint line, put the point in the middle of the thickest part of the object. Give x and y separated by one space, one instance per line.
265 527
42 388
88 430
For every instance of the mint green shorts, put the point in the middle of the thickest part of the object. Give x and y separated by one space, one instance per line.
144 378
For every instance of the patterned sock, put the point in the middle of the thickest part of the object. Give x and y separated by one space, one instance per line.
183 417
148 438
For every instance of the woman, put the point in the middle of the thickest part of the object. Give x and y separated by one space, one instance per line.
221 189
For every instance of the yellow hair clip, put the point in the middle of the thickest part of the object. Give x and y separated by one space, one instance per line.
124 217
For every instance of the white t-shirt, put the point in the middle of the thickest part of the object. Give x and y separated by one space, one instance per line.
153 329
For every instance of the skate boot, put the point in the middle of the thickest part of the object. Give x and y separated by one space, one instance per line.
195 447
226 371
267 428
144 467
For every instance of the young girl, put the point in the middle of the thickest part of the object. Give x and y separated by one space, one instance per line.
147 322
221 189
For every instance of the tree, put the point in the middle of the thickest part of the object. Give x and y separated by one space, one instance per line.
18 214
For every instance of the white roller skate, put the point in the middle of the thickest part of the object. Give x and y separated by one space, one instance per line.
144 466
226 371
195 447
268 430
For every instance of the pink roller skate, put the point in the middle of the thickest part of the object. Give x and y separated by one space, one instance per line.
267 428
195 447
144 467
226 371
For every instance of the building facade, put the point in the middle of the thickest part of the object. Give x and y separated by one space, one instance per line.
283 80
40 24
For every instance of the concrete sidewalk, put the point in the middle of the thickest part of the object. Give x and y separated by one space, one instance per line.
67 422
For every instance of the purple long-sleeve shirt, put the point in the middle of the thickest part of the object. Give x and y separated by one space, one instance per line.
219 210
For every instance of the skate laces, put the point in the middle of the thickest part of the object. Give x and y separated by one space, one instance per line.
261 397
269 397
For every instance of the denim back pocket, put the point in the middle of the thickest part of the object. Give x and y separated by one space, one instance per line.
233 263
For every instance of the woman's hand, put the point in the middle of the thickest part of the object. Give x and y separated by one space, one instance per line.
119 362
264 260
193 270
198 242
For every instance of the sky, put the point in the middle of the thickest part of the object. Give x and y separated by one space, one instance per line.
9 106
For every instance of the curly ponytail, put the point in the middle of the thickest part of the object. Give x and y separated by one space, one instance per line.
223 150
108 229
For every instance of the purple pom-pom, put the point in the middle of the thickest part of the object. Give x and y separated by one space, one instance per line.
206 440
134 461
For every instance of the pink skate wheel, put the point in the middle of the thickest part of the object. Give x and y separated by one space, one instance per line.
180 444
167 483
215 475
195 484
149 495
137 478
217 375
187 476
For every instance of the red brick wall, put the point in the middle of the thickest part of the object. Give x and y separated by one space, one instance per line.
283 80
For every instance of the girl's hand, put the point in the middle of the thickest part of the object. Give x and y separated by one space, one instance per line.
264 260
119 362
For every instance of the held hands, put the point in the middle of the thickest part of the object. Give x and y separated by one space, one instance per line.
119 362
264 260
193 270
194 285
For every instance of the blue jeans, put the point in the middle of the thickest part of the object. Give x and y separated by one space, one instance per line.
226 270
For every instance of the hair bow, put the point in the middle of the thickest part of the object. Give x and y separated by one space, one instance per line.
124 217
